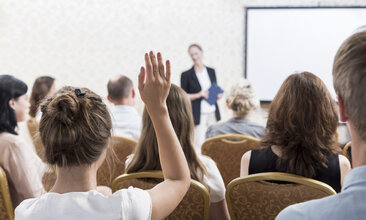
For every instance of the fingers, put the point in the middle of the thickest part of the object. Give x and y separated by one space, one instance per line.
149 68
141 79
168 73
155 67
161 66
154 64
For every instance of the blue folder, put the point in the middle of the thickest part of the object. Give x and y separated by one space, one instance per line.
214 90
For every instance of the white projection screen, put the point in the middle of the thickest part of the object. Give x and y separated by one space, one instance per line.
282 41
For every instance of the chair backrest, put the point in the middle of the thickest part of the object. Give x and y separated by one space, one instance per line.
261 196
6 206
195 204
227 150
33 126
347 151
115 164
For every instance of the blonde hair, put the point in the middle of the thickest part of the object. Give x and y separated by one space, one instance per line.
349 79
242 98
147 153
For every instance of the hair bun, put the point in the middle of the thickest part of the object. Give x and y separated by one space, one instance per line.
242 97
64 107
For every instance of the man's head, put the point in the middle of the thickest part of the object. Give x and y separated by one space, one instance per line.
120 91
349 78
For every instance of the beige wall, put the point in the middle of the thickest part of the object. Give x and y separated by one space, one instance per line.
85 42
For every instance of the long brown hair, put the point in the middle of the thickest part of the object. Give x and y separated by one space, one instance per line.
302 122
147 155
75 127
40 89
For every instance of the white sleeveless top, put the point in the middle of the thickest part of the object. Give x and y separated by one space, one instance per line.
131 203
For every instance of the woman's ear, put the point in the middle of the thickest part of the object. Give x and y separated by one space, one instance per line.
342 110
12 103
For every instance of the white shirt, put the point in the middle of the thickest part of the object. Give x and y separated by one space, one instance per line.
131 203
126 122
348 204
205 82
213 182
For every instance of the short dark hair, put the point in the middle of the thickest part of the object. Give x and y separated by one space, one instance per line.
195 45
10 88
119 88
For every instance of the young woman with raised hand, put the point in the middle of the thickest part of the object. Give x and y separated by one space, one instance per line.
300 136
75 129
23 168
202 168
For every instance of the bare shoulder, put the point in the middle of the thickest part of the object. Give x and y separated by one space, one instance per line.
344 162
246 156
244 165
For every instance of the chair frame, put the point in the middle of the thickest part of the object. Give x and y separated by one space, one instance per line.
226 138
276 176
6 193
159 175
120 138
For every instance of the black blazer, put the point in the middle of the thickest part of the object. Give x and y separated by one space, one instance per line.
189 83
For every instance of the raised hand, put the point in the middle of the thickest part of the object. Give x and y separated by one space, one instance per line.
154 82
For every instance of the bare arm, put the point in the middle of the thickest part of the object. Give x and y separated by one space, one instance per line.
198 95
154 90
344 167
219 211
244 165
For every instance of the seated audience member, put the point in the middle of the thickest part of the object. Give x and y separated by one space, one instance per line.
23 168
242 100
203 169
75 129
300 135
349 78
125 119
43 86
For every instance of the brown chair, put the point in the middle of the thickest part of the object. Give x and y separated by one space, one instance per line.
114 165
227 150
261 196
6 206
195 204
33 126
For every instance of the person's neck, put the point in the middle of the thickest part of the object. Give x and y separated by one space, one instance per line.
75 179
198 67
358 148
241 116
127 101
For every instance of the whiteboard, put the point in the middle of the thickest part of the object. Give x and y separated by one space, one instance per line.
282 41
